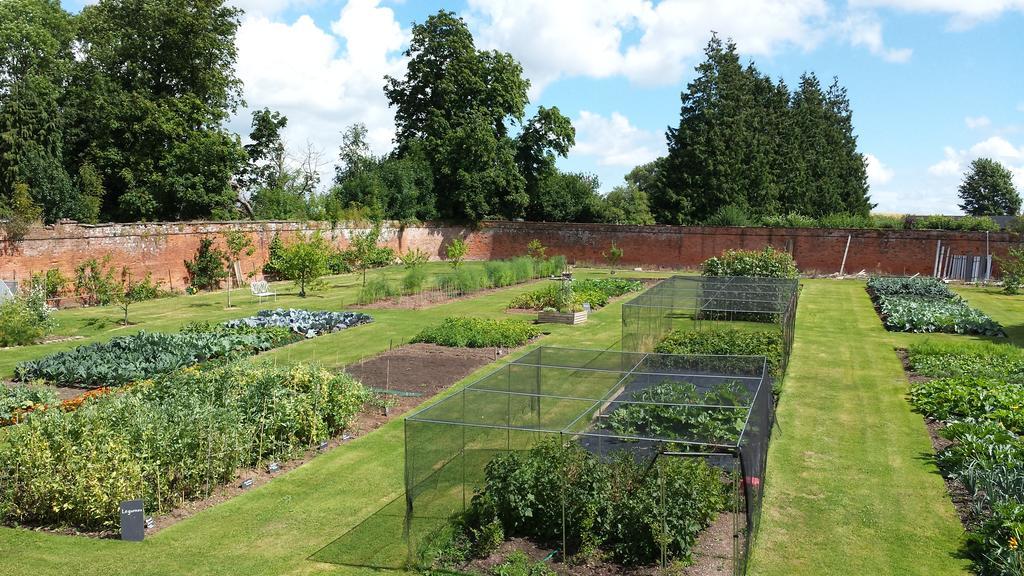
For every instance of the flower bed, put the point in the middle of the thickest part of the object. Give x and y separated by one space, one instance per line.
166 441
923 304
305 322
983 421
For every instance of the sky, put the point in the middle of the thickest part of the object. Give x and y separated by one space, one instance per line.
933 84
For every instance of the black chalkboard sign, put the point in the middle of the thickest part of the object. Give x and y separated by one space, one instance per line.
133 521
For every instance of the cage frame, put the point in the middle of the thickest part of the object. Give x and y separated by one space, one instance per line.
735 456
731 298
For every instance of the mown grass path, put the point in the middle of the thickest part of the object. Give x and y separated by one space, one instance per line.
850 488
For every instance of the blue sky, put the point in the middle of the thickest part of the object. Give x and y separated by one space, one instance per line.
933 83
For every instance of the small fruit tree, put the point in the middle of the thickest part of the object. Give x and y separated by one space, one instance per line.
305 261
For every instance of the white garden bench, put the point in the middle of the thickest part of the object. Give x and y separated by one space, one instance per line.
261 290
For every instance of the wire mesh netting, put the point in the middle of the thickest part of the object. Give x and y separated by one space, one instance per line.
715 410
696 302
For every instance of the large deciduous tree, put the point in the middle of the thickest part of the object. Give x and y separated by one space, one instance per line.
988 190
35 59
455 104
153 82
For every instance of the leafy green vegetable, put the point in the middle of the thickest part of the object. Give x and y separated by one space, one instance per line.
479 333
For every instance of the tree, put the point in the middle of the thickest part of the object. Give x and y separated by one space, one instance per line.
455 101
18 214
547 135
362 248
988 190
206 269
304 261
130 292
627 204
613 256
152 85
35 59
456 252
566 197
746 148
266 151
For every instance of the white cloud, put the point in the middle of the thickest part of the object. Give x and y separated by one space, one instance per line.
950 169
863 29
614 141
302 71
963 13
562 38
974 122
878 173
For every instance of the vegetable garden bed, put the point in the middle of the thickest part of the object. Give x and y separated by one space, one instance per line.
926 304
972 396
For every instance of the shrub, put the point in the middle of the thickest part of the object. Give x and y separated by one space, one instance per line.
723 341
19 324
456 252
414 280
500 273
52 283
206 269
461 332
965 223
1013 270
414 258
730 215
375 290
469 279
167 440
95 283
519 564
125 359
764 263
613 256
272 267
791 220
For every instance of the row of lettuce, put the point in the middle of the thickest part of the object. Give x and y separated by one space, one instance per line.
926 304
168 418
976 390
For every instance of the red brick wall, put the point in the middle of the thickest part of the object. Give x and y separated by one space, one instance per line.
162 248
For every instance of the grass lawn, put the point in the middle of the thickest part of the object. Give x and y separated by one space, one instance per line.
275 528
850 486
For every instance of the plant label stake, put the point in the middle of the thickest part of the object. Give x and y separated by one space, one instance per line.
246 484
133 523
273 467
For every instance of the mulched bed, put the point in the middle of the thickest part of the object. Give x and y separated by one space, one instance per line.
417 372
958 493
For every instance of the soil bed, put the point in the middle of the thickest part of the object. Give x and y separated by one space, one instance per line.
712 556
415 372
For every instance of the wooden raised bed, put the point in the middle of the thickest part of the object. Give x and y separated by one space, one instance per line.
562 317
